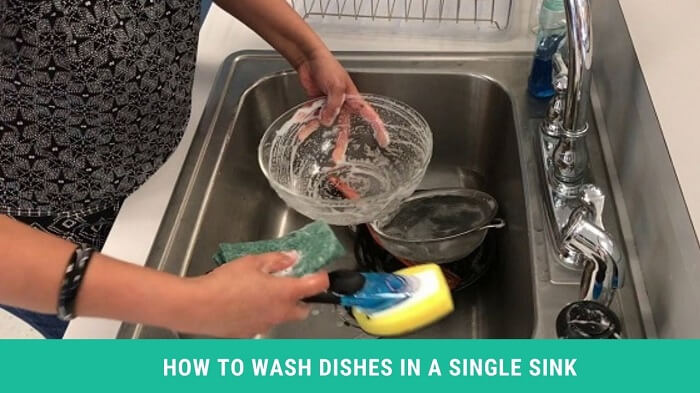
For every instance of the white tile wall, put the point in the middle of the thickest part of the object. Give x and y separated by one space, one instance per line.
12 327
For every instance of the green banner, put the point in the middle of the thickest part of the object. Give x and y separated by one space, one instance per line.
346 365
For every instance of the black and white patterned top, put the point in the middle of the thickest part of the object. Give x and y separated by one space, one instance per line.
94 96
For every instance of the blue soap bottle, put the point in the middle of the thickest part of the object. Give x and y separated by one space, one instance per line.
552 29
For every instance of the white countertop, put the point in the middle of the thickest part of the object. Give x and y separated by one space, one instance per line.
136 226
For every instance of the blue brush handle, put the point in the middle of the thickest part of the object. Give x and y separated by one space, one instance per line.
341 282
369 291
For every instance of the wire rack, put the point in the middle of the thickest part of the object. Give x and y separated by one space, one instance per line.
491 14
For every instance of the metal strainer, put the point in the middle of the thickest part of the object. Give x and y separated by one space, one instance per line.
440 226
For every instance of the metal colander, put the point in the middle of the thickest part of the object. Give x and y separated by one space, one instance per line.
440 226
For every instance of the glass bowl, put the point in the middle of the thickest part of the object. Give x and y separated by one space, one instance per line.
354 171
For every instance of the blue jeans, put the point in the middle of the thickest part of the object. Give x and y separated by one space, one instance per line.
90 228
205 5
48 325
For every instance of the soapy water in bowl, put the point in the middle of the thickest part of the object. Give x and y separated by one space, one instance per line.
367 168
304 159
365 180
310 169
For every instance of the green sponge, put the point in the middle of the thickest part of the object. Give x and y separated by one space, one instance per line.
316 244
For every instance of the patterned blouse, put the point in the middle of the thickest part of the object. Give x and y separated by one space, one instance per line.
94 96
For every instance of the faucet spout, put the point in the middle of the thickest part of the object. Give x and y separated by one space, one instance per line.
567 119
580 46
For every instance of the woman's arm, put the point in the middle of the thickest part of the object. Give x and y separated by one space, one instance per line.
279 25
32 265
239 299
319 72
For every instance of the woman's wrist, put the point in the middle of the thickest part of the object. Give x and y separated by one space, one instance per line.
307 52
119 290
183 305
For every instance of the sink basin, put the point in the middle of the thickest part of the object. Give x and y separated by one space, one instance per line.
473 126
483 138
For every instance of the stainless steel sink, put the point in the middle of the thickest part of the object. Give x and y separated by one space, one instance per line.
484 131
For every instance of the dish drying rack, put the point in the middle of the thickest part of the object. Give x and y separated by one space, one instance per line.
461 18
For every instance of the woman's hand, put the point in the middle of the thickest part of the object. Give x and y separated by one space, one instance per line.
243 298
322 75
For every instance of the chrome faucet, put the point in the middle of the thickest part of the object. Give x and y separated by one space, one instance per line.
576 208
567 118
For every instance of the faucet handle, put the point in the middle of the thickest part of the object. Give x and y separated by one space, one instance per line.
560 76
560 83
559 65
594 198
551 125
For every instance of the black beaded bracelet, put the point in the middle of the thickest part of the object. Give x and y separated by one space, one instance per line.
72 278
